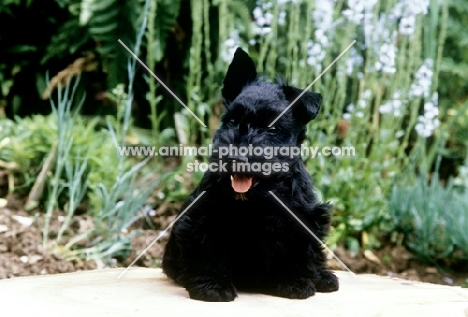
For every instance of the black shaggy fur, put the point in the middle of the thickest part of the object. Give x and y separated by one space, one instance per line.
248 241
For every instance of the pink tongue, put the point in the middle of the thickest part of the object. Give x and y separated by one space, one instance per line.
241 183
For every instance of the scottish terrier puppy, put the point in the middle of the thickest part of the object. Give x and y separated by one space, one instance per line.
237 235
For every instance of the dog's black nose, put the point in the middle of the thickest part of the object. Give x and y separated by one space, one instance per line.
238 158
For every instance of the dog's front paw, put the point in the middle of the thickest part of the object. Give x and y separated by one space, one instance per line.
326 282
213 292
300 288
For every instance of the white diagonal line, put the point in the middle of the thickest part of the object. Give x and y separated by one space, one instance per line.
160 81
313 234
315 80
160 235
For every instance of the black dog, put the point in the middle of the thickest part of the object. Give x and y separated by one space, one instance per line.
238 236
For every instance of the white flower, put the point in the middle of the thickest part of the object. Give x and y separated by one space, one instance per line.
258 16
400 133
375 32
435 98
411 7
380 37
406 11
423 80
265 31
358 9
268 18
280 2
263 17
386 62
428 122
367 94
355 60
386 108
430 110
347 116
267 5
418 7
321 37
425 126
230 46
351 109
282 17
394 106
323 15
407 25
315 55
353 16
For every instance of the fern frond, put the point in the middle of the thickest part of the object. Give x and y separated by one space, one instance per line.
110 21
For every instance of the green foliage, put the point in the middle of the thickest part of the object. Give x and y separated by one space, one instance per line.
8 4
131 189
433 219
161 16
69 39
27 141
119 203
461 181
465 284
120 206
454 66
61 150
108 22
86 169
161 19
75 28
454 72
23 49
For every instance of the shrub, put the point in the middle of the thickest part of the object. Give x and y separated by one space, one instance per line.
432 218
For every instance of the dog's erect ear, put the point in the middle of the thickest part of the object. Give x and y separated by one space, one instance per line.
240 73
307 107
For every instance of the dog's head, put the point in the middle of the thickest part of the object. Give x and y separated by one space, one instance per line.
252 105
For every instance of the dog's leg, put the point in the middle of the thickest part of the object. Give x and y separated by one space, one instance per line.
208 274
211 289
171 260
197 257
325 281
293 287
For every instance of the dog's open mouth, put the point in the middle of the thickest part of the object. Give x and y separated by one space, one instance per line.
241 183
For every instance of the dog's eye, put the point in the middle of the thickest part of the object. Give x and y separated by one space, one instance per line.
271 130
232 121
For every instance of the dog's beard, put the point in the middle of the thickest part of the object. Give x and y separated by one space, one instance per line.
240 196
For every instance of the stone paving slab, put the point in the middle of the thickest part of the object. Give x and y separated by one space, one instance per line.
148 292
